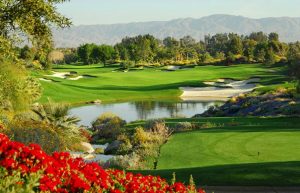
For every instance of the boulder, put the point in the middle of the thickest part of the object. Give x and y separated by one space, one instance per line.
96 102
87 147
113 147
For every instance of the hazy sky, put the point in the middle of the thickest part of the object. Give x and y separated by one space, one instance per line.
124 11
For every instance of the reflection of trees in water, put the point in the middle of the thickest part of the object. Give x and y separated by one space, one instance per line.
172 108
147 108
144 108
175 109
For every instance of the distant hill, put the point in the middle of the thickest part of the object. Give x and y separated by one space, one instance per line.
288 29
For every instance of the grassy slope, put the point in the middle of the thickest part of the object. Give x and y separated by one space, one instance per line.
229 155
111 86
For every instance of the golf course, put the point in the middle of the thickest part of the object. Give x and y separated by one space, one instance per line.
149 96
240 151
235 151
110 84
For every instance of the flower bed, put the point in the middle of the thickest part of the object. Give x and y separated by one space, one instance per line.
61 173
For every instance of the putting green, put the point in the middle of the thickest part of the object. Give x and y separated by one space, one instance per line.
255 151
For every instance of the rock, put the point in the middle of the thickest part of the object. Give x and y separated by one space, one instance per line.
89 157
87 147
76 155
263 105
234 109
96 102
83 156
99 151
113 147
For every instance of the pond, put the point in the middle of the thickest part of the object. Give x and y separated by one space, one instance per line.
142 110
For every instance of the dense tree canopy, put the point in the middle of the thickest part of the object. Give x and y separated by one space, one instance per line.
31 19
21 20
294 61
225 48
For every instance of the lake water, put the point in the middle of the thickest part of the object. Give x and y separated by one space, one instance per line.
142 110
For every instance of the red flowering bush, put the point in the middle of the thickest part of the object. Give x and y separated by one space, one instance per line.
61 173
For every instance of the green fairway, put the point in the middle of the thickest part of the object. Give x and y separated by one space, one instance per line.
241 151
111 85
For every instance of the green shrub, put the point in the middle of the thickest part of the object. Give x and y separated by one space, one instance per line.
126 146
208 125
16 182
127 64
130 161
147 145
17 89
56 116
183 126
158 126
108 126
36 132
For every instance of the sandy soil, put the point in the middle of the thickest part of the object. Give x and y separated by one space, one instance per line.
230 88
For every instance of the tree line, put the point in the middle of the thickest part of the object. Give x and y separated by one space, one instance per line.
143 50
220 48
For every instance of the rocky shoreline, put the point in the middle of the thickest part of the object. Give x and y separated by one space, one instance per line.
276 104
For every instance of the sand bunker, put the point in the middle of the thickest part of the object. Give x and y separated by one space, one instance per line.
223 88
66 75
76 78
59 74
172 68
46 80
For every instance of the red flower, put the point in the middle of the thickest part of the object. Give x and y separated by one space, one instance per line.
62 174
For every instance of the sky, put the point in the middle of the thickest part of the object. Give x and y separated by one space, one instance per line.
88 12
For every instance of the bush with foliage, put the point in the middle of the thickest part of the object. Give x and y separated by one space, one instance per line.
126 146
127 64
147 145
183 126
37 132
17 89
158 126
56 116
16 181
132 161
2 127
108 125
61 173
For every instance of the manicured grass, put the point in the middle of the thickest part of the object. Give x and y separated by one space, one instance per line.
150 83
241 151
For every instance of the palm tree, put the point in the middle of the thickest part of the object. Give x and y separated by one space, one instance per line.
56 115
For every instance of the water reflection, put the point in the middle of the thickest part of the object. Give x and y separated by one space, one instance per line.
132 111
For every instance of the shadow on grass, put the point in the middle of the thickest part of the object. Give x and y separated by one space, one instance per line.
249 128
252 174
141 88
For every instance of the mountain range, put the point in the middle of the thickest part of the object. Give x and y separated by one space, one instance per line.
288 28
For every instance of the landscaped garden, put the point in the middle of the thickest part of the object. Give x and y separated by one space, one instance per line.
246 87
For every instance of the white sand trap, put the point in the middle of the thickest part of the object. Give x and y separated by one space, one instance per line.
173 67
59 74
64 75
46 80
235 88
76 78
